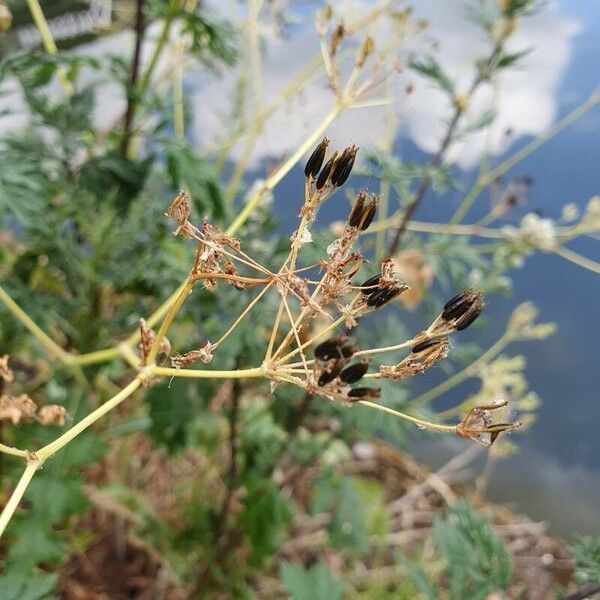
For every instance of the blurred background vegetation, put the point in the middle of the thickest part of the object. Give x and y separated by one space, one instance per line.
220 488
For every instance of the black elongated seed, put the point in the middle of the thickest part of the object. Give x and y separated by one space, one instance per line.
348 350
364 392
421 346
368 214
329 349
354 372
315 161
355 215
380 297
343 166
330 374
459 304
468 318
370 285
326 171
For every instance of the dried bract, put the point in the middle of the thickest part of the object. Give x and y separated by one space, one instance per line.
6 373
423 355
52 414
16 408
180 210
479 425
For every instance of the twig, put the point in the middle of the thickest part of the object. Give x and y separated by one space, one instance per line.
132 96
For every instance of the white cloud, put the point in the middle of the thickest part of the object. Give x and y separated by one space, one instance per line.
528 95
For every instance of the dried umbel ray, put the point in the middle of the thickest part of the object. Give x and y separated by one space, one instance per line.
336 367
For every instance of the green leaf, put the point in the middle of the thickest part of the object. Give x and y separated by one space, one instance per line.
35 543
509 59
18 585
265 516
316 583
586 552
476 560
431 69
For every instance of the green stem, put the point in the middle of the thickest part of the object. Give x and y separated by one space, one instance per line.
206 374
17 494
86 422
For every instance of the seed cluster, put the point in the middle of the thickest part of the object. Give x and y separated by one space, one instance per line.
337 367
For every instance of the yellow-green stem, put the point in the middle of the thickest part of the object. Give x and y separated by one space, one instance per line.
17 494
13 451
48 41
206 374
284 168
418 422
511 161
50 345
86 422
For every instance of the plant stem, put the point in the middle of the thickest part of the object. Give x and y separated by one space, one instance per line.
13 451
517 157
171 313
280 172
48 41
90 358
50 345
109 405
459 377
418 422
15 498
207 374
574 257
132 95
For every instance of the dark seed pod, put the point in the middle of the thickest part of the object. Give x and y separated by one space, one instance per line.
364 392
468 318
456 307
336 347
380 297
329 348
315 161
421 346
370 285
330 373
343 166
324 174
354 372
349 349
368 214
355 215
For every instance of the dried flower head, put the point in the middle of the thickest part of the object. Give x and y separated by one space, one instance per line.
147 338
16 408
480 424
180 210
204 354
52 414
6 373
